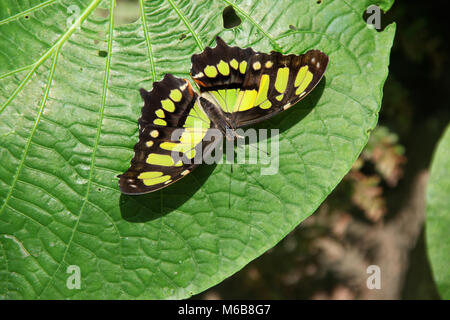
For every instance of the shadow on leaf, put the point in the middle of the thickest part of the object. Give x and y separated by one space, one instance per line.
151 206
289 118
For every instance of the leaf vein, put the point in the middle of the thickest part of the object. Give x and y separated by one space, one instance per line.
188 25
33 131
147 39
28 11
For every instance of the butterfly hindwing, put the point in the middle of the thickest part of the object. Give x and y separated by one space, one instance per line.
172 127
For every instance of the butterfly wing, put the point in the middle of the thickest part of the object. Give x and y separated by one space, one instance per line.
172 131
252 86
220 72
274 82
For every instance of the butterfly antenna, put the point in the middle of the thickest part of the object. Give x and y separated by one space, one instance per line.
259 150
254 147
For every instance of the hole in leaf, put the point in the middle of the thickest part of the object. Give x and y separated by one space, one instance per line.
102 53
374 17
126 12
319 1
230 18
27 17
101 12
183 36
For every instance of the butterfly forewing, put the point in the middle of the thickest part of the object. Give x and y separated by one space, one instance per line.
251 86
274 82
219 73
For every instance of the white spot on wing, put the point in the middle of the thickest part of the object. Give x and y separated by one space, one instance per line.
198 75
184 86
154 133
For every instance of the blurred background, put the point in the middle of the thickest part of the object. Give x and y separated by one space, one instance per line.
376 214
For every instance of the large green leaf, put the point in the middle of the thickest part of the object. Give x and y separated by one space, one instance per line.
438 215
69 103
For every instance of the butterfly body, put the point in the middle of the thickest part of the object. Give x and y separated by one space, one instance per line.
237 87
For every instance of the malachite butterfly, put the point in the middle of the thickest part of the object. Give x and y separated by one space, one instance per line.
237 87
